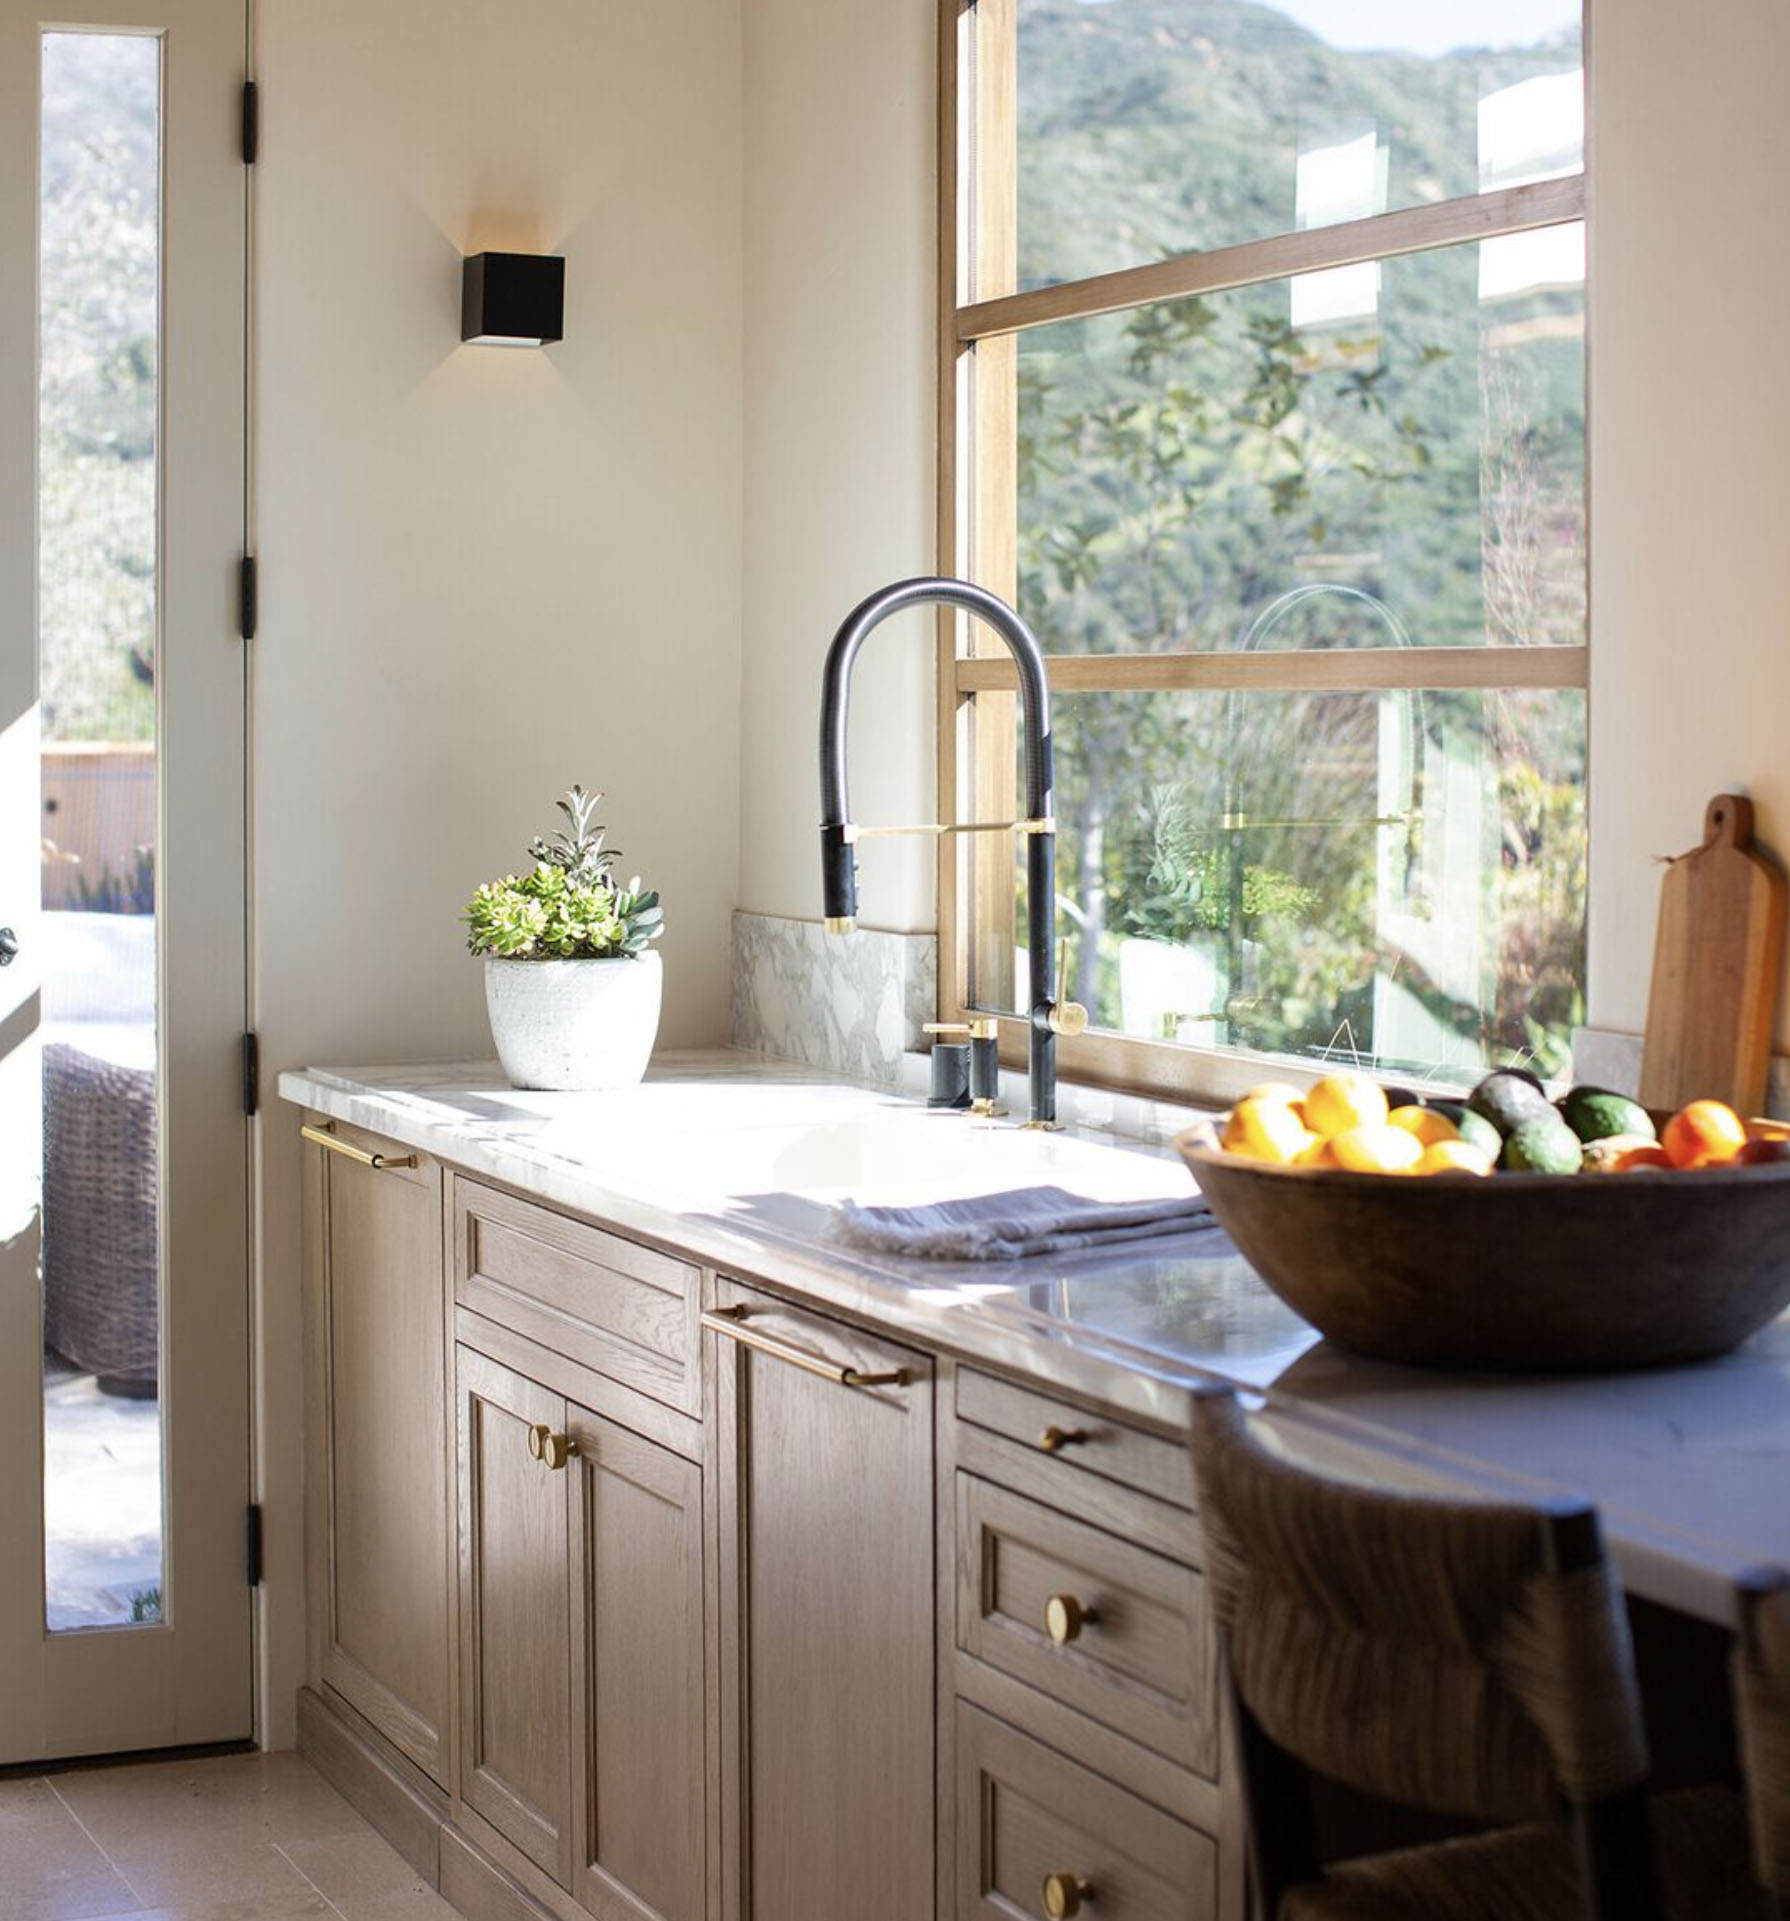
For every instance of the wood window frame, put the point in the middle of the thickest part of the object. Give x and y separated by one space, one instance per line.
980 319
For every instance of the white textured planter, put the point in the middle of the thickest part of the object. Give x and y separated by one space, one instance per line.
573 1023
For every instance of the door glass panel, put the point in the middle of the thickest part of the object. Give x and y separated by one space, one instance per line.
99 220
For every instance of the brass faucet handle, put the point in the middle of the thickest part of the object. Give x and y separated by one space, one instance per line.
979 1027
1067 1018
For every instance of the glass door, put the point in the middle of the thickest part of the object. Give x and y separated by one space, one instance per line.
124 1462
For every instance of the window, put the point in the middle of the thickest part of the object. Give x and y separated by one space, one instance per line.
1264 401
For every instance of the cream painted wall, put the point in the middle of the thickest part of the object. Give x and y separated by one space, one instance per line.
1690 487
839 369
485 573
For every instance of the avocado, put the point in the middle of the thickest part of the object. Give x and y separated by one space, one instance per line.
1594 1113
1544 1144
1509 1097
1478 1132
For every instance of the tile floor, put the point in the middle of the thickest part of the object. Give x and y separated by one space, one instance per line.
257 1837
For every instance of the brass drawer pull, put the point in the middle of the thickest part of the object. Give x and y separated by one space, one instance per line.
1054 1439
1064 1894
322 1137
1065 1617
729 1321
550 1449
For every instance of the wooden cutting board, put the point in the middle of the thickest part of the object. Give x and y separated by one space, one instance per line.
1716 963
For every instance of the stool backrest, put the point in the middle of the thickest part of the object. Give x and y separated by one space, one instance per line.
1459 1657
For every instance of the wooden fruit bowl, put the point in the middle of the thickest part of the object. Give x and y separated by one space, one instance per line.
1526 1273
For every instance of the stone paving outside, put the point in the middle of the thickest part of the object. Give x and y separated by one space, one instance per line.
102 1503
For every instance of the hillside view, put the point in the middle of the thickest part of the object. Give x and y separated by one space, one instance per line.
1381 456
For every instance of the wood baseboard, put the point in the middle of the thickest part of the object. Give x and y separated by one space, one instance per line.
390 1790
410 1810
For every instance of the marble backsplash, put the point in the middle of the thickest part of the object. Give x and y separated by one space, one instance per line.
853 1002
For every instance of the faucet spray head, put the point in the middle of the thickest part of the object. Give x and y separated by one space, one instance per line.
838 878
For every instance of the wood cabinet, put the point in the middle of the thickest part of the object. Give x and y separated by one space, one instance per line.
824 1463
1082 1696
380 1562
582 1646
644 1594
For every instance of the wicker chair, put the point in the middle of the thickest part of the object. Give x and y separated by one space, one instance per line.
101 1300
1466 1660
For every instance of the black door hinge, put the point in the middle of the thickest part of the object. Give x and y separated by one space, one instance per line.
252 1544
251 123
248 596
251 1074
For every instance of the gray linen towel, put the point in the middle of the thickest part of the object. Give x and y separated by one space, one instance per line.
1027 1220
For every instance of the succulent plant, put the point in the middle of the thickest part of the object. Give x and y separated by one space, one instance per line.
567 907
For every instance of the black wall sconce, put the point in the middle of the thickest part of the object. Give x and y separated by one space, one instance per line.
513 299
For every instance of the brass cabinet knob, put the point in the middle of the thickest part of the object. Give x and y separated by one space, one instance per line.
1065 1617
1064 1894
1054 1439
550 1449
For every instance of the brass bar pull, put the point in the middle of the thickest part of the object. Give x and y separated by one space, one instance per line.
324 1138
728 1321
552 1450
1064 1894
853 832
1054 1439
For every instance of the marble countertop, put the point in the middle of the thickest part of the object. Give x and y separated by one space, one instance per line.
742 1159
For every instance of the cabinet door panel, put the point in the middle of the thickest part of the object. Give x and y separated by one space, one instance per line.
382 1559
827 1623
638 1670
515 1616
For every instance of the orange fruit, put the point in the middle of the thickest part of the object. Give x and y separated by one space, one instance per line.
1647 1154
1318 1154
1376 1149
1266 1130
1452 1157
1424 1125
1342 1101
1283 1091
1703 1134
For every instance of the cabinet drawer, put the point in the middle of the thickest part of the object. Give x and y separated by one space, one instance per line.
624 1311
1074 1444
1131 1648
1026 1815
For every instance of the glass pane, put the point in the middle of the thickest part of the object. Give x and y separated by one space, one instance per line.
1395 880
1399 462
99 220
1148 129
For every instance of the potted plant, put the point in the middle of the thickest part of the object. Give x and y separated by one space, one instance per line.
570 986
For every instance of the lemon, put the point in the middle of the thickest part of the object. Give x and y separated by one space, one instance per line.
1424 1125
1318 1154
1340 1102
1452 1157
1376 1149
1266 1130
1283 1091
